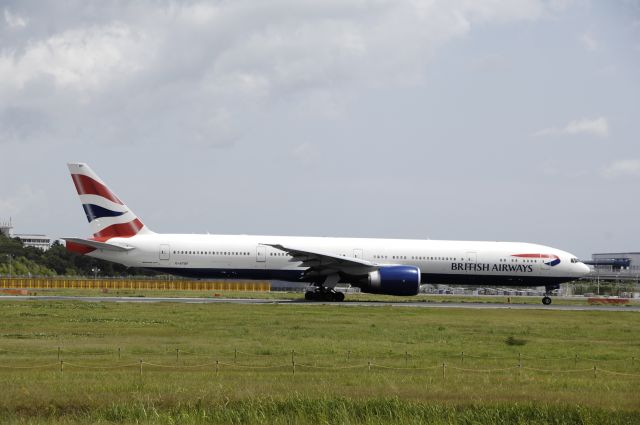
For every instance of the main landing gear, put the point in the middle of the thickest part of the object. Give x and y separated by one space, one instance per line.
546 300
321 293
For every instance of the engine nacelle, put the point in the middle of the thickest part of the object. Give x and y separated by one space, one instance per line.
394 280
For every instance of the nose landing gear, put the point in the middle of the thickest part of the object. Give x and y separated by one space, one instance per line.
546 300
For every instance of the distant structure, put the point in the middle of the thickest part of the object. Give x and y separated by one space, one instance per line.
42 242
616 261
5 228
34 240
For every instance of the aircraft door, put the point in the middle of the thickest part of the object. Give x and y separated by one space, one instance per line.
165 252
261 254
472 257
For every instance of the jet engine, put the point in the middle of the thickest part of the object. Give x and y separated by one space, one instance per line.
394 280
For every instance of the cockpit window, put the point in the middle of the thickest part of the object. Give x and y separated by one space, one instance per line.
575 260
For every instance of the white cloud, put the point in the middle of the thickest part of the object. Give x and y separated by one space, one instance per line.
589 42
154 70
14 21
306 153
622 168
81 58
595 127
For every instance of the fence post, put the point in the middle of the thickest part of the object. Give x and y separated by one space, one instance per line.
595 373
406 359
118 353
177 355
217 367
293 367
369 365
292 356
575 361
235 355
58 352
141 368
61 366
520 359
348 355
462 358
444 370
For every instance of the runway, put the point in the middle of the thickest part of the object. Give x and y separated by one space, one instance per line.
186 300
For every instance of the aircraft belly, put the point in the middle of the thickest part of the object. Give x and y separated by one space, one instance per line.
492 280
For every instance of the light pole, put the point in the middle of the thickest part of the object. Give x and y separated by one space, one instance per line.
95 271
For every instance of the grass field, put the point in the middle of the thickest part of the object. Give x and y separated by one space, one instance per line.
299 296
352 365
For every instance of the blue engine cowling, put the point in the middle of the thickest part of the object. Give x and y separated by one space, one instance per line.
394 280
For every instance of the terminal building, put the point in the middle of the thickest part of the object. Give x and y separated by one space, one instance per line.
33 240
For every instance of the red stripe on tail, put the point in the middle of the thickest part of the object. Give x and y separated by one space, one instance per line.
85 185
78 249
123 230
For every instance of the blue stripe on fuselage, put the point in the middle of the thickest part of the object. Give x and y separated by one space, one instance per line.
553 263
96 211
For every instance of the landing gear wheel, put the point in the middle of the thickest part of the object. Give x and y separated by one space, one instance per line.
549 291
320 293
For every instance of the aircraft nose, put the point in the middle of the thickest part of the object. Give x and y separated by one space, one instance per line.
584 268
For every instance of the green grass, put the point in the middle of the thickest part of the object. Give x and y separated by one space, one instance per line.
333 346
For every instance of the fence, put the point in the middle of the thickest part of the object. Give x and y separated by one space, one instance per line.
135 284
295 362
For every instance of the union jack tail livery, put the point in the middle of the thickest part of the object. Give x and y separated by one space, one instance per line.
108 216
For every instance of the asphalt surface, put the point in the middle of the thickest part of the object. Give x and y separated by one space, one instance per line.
468 305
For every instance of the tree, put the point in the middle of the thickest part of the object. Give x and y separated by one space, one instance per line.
56 261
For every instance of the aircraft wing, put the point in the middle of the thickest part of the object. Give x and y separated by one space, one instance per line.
98 245
325 264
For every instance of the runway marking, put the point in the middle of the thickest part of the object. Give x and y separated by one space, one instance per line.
301 302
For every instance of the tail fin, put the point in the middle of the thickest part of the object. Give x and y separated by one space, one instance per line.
108 216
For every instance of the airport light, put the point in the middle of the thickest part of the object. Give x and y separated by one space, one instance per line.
95 271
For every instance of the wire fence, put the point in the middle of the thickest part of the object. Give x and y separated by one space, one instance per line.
293 367
463 356
295 361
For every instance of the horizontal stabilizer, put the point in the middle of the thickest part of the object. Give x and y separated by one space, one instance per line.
98 245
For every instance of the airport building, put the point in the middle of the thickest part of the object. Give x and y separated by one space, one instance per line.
39 241
616 261
42 242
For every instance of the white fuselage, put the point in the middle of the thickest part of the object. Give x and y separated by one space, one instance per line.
251 257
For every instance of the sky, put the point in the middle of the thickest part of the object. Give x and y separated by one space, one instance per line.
514 120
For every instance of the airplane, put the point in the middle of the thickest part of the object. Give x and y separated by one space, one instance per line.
381 266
